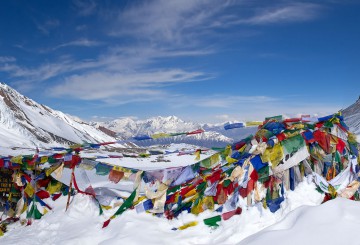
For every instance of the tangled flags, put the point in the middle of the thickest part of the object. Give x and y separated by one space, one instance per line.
257 170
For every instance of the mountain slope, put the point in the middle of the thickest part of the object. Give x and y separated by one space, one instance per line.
23 122
352 117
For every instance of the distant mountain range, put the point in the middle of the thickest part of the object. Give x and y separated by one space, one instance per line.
214 136
25 123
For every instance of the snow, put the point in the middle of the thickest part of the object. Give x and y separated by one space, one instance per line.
300 221
82 224
335 222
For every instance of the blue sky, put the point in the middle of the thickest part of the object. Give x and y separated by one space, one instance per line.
206 61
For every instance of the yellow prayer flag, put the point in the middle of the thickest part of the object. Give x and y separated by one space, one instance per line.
208 203
231 160
16 159
273 155
187 225
54 188
191 193
160 135
44 159
227 151
242 148
197 155
29 190
121 169
253 123
75 146
214 159
52 169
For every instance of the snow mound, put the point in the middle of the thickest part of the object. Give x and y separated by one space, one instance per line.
335 222
81 224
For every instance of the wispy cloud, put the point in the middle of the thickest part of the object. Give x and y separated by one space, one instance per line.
297 12
187 22
84 42
85 7
174 22
219 101
159 30
127 60
6 59
123 88
47 26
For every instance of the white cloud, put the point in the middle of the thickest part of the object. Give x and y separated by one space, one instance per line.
186 22
47 26
172 22
224 101
123 88
161 30
298 12
85 7
7 59
83 42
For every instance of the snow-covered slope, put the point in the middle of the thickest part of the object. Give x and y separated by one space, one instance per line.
352 117
215 135
23 122
334 222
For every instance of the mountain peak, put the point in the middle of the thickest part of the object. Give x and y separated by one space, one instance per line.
24 121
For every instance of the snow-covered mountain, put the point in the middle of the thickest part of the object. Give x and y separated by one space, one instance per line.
25 123
352 117
215 135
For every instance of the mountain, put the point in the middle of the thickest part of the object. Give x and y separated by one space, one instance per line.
352 117
25 123
214 135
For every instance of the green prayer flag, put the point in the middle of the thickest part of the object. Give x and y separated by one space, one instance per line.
34 213
293 144
201 187
127 204
226 183
206 163
213 221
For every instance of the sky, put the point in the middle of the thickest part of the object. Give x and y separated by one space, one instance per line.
203 61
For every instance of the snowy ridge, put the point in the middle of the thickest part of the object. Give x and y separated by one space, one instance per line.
352 118
23 122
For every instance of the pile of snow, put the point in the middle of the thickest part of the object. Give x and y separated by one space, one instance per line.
335 222
81 224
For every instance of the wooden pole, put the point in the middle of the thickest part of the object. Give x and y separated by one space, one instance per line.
70 187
